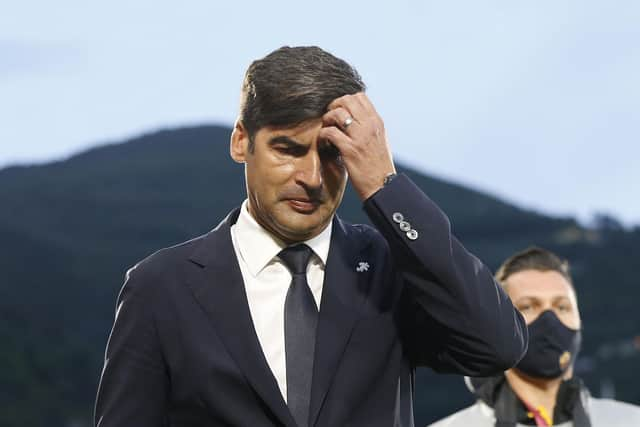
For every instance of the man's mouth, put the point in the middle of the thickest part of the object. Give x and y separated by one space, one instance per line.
303 205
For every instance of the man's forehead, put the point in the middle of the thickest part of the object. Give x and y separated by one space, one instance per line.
301 133
295 128
538 283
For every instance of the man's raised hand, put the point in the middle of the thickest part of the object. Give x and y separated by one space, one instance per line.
354 127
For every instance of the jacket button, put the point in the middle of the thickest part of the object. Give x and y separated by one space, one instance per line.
412 234
404 226
397 217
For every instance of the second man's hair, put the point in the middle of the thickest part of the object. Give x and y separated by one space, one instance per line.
533 258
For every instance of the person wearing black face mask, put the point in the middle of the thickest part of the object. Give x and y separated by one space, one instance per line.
553 347
541 389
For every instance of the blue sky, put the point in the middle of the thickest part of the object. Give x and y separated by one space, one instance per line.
536 102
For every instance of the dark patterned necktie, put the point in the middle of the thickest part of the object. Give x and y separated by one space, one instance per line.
300 320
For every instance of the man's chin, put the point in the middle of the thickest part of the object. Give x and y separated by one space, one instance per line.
293 231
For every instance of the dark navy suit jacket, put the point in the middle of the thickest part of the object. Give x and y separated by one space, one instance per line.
183 350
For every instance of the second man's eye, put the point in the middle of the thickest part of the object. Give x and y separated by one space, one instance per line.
524 307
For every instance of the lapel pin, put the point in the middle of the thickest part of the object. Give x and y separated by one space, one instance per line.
362 266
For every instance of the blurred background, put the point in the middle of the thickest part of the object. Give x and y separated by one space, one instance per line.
521 120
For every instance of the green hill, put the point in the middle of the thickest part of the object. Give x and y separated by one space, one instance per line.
70 229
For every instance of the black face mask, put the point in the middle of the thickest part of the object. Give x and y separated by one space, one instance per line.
553 347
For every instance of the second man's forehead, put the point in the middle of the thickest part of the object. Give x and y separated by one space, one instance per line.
554 298
538 282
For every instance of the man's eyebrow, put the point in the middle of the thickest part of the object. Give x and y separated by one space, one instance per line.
282 139
527 297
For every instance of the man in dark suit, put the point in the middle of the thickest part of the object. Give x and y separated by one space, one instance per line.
284 315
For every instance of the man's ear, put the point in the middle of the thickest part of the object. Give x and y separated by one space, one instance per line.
239 146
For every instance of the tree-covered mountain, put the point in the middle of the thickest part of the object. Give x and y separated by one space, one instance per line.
70 229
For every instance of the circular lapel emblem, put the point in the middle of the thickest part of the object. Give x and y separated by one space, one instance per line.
564 359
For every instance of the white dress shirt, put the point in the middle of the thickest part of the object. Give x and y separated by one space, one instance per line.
267 280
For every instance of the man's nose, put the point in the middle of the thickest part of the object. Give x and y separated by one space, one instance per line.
309 171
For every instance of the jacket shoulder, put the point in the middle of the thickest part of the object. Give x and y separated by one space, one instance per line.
161 265
165 256
608 412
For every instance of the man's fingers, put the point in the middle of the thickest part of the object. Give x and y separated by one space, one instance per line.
338 102
362 143
351 104
360 108
340 118
365 103
336 137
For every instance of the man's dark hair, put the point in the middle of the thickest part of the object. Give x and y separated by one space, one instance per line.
533 258
291 85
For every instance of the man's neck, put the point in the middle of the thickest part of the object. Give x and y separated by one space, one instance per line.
535 392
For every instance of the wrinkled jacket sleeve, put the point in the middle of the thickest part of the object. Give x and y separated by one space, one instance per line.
453 316
134 384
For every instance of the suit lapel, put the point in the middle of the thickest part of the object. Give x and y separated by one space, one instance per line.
220 291
343 291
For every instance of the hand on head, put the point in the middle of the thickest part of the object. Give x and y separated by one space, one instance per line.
354 127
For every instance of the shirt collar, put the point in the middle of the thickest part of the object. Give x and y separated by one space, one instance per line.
258 247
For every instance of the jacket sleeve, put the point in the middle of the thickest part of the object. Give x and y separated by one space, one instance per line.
453 316
134 384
